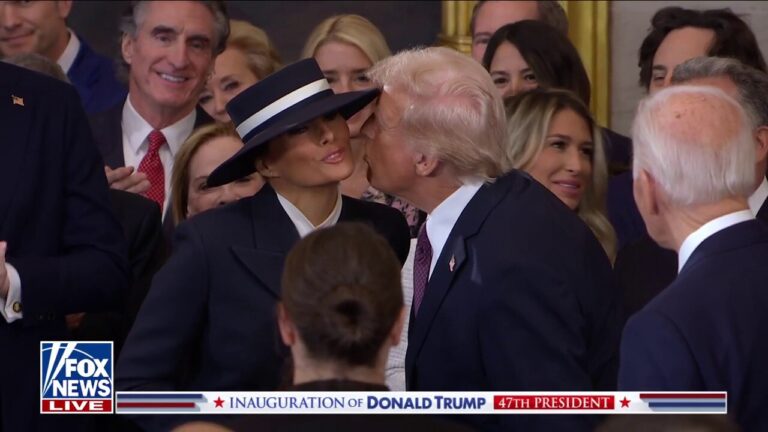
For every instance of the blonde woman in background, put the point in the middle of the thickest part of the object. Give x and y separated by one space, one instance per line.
552 136
345 47
208 147
249 57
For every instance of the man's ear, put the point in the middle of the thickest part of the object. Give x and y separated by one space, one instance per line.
761 141
284 323
425 164
126 48
646 192
64 7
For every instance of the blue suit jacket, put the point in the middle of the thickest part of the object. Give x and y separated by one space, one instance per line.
62 237
93 75
209 321
707 331
529 305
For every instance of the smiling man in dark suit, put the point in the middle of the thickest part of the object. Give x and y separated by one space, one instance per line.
168 49
694 171
511 290
40 27
61 249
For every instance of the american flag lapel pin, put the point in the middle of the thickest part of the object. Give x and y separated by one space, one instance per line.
452 263
17 100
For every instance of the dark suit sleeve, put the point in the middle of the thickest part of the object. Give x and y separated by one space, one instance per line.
170 320
655 356
88 272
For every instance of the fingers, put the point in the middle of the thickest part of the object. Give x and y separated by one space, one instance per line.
117 174
136 182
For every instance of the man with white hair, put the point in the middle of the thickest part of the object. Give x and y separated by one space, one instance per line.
644 269
693 173
511 290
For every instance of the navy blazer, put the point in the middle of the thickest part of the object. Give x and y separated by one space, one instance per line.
107 129
62 236
209 320
707 331
643 269
93 75
520 299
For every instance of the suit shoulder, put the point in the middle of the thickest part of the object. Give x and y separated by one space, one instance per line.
24 82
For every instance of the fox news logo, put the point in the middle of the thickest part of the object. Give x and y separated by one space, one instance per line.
76 377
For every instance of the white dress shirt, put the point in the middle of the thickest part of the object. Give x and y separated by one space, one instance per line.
707 230
303 225
136 143
758 197
70 52
442 219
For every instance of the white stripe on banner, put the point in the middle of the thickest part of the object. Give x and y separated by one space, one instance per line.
281 104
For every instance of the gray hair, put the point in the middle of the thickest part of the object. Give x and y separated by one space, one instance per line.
134 15
550 12
454 111
751 83
38 63
683 157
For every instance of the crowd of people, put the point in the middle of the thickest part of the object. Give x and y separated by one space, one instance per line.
363 220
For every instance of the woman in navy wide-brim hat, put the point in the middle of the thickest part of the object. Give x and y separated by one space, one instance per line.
208 322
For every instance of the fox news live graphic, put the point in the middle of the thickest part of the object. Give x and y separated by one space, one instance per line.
76 377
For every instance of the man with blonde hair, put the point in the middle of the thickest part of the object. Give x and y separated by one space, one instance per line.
693 173
511 290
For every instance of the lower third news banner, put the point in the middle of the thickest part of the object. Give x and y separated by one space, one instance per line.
317 402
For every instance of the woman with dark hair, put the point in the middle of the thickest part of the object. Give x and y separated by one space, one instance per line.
223 280
530 54
679 34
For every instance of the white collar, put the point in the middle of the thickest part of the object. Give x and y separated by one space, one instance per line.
440 222
303 225
707 230
758 197
70 52
136 129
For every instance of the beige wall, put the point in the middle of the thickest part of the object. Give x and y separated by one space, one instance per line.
630 21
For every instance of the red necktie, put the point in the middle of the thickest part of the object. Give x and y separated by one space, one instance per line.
422 261
152 166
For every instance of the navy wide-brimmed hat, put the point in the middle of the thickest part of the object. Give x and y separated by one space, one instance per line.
294 95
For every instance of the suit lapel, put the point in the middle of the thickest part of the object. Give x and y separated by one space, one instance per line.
450 265
16 115
108 130
273 236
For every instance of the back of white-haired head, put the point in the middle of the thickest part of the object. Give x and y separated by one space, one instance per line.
696 142
453 111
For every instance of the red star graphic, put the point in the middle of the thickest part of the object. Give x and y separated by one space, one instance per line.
219 402
624 402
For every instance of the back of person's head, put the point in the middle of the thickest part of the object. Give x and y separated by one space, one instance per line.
550 54
550 12
668 423
733 37
453 111
751 83
341 290
181 166
351 29
260 53
38 63
696 143
529 116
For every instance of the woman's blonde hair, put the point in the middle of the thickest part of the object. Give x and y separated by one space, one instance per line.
180 177
351 29
262 57
528 118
